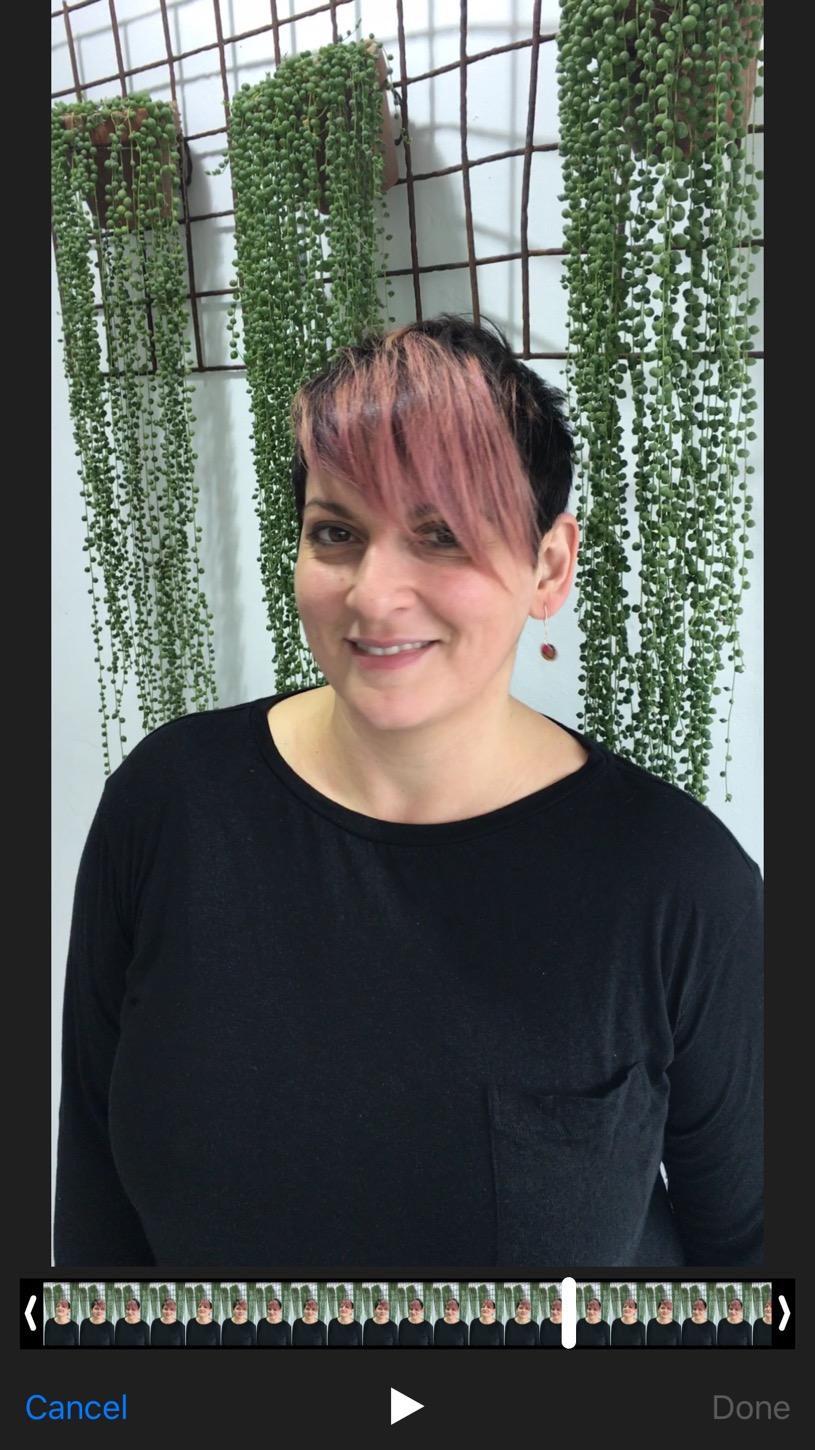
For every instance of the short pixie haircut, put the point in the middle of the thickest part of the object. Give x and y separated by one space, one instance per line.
440 414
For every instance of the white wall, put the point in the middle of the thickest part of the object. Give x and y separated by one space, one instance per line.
497 110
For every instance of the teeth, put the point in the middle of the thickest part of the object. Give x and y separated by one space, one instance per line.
393 649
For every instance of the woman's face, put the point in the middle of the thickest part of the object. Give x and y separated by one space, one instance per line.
629 1311
593 1311
403 625
488 1309
699 1311
168 1310
768 1311
132 1311
240 1311
98 1311
556 1313
204 1309
665 1310
274 1309
381 1311
63 1309
310 1311
346 1310
523 1311
415 1311
734 1310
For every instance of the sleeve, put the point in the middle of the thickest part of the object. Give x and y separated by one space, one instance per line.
606 1335
538 1334
330 1332
322 1336
218 1335
719 1334
253 1332
153 1335
436 1333
94 1220
749 1335
401 1337
466 1334
713 1153
649 1336
500 1334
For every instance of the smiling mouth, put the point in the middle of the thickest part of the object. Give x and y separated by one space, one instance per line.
391 649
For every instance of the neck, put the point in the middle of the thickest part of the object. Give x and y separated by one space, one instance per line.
439 772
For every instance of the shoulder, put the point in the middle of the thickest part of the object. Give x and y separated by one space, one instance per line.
184 744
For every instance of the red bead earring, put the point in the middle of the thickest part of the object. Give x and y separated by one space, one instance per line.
547 650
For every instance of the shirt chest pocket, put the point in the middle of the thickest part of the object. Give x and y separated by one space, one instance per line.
577 1177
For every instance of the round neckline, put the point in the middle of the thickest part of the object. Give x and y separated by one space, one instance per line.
409 833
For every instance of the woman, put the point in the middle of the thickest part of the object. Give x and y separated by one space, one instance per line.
523 1330
698 1332
308 1332
202 1331
380 1331
412 852
96 1332
551 1331
239 1332
450 1332
274 1332
664 1332
592 1331
167 1332
628 1330
486 1331
415 1332
733 1332
345 1332
131 1331
61 1332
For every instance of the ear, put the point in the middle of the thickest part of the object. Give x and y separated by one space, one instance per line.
557 560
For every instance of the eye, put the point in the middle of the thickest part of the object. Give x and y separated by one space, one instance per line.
328 536
439 536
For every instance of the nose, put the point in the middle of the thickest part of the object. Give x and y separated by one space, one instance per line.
383 579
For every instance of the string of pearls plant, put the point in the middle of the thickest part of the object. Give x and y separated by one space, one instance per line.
306 154
115 187
660 231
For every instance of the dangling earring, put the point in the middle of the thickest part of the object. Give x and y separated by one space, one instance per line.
547 650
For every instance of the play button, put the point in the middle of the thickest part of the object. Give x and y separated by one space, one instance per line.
402 1405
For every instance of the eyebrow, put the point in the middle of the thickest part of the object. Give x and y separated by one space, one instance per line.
340 511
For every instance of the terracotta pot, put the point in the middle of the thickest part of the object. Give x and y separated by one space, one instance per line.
693 142
390 173
102 140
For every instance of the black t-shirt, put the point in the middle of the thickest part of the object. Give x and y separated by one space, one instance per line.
61 1336
592 1336
310 1336
762 1334
95 1336
627 1336
203 1336
381 1336
551 1334
517 1335
450 1336
344 1336
274 1336
486 1336
132 1336
698 1336
165 1336
733 1336
193 922
238 1336
664 1336
415 1336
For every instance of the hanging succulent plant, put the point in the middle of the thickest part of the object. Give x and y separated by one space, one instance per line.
307 151
660 205
115 187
